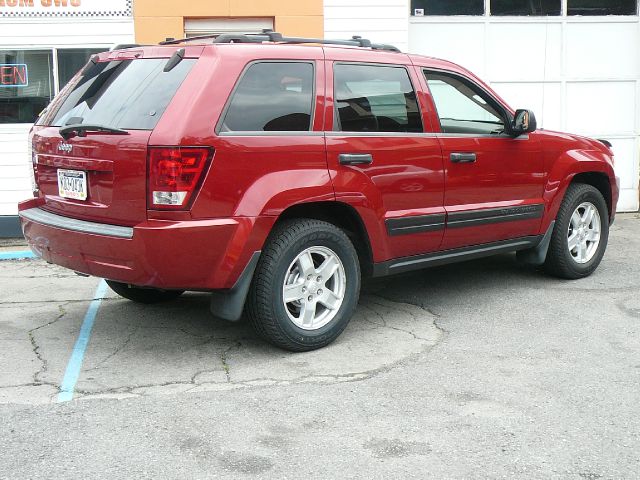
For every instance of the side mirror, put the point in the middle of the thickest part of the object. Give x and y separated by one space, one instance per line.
524 121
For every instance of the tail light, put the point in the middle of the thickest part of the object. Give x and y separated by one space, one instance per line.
175 176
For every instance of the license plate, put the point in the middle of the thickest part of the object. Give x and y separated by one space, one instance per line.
72 184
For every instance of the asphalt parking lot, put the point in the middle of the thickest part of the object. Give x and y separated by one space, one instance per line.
477 370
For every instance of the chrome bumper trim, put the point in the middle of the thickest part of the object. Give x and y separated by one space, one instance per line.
43 217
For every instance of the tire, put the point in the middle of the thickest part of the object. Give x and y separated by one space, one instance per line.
143 295
306 323
579 261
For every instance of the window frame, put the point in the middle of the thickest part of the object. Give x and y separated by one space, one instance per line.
54 63
565 12
272 133
564 9
485 8
336 120
561 11
507 115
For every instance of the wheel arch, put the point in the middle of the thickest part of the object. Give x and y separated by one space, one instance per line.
343 216
599 180
578 166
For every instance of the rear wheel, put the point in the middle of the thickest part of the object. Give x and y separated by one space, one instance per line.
580 235
143 295
306 285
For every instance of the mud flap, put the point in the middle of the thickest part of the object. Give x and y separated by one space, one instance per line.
228 304
537 255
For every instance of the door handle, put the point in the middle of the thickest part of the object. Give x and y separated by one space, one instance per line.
458 157
355 159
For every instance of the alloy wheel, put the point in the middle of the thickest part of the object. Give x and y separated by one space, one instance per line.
314 288
583 235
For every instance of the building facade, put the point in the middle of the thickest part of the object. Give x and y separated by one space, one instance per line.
576 63
43 43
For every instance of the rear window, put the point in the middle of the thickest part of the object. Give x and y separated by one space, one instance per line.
272 96
375 98
128 94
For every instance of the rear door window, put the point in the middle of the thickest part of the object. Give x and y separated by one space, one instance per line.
375 98
128 94
272 96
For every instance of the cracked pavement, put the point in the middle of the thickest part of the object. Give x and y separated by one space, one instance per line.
476 370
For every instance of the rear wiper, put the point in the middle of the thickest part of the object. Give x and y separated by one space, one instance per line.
80 129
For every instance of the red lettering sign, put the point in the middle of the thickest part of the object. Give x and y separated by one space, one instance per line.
44 3
13 75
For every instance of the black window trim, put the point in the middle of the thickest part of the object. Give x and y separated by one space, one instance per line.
507 117
336 119
256 133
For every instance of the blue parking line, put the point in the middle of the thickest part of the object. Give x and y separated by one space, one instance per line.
71 374
19 255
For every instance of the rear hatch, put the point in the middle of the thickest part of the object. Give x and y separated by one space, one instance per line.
90 145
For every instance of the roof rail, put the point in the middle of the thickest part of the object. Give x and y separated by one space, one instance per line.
123 46
271 36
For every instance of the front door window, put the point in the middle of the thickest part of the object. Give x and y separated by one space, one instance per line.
462 109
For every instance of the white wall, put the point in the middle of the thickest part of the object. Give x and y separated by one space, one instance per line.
578 74
34 33
381 21
15 183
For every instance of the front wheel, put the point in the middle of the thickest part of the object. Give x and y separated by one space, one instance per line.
580 234
306 285
143 295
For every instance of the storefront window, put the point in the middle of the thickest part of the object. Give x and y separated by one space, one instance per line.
447 7
601 7
531 8
26 84
71 60
26 79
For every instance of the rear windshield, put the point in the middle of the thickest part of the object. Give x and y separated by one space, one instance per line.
127 94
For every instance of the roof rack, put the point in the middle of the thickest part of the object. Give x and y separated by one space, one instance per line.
271 36
124 46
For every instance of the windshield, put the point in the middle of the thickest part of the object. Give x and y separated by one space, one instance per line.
126 94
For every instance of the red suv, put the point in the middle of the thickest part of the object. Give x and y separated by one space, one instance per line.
274 172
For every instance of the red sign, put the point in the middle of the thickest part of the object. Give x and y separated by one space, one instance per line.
13 75
44 3
65 8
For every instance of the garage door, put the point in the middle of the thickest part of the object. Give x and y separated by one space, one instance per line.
211 26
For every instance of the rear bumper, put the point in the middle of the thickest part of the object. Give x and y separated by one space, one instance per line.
190 255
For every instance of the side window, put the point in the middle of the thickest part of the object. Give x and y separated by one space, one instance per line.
371 98
461 108
272 96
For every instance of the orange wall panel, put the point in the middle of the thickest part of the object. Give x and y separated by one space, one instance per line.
300 26
156 20
181 8
157 29
275 7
